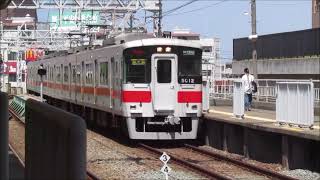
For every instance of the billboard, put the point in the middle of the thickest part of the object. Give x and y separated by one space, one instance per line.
9 67
71 20
33 54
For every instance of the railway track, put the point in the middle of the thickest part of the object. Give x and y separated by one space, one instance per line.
90 175
214 165
208 169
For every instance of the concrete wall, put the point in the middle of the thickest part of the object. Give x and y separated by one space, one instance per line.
303 66
292 152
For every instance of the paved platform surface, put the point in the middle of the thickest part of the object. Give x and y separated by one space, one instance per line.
264 120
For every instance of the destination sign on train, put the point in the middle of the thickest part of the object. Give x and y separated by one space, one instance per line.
138 61
188 52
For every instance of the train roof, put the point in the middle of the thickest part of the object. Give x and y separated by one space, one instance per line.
161 41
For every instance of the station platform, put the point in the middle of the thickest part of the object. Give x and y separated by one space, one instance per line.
264 120
258 136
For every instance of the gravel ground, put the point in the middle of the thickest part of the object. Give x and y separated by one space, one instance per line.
270 166
302 174
16 137
216 165
109 159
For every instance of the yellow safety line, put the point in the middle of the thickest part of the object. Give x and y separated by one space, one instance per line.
259 119
250 117
292 129
316 127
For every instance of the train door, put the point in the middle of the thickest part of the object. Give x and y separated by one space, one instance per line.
83 75
69 82
61 82
164 80
96 80
112 81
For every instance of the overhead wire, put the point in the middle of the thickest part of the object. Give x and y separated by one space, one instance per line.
179 7
198 9
167 13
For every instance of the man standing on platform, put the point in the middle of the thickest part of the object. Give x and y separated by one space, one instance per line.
247 80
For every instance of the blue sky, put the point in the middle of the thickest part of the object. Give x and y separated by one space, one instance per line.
226 20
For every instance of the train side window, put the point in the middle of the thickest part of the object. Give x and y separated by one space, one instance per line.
51 74
78 75
116 67
96 71
74 74
89 73
47 75
54 74
58 74
65 74
104 73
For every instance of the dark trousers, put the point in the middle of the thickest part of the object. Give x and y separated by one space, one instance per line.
247 100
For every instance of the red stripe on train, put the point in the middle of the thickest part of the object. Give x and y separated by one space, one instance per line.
189 97
136 96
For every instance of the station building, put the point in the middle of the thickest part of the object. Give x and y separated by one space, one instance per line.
13 56
287 55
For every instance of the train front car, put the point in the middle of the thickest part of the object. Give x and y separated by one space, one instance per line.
162 90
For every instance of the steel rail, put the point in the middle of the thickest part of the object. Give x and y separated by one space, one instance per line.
241 163
200 169
90 175
16 155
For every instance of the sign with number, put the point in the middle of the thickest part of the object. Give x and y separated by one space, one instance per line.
165 157
165 169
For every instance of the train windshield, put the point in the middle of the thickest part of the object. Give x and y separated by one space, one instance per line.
189 62
189 65
137 65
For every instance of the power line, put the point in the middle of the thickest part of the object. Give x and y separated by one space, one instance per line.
179 7
198 9
161 15
167 13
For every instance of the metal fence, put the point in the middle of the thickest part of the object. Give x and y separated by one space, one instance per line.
267 89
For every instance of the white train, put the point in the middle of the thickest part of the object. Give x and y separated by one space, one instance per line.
151 88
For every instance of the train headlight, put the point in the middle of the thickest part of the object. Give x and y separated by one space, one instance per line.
159 49
168 49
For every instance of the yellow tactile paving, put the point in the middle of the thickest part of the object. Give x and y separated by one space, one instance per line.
260 119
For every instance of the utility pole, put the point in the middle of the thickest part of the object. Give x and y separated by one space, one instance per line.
254 38
131 22
160 19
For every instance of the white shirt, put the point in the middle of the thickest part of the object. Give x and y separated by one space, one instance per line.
246 81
